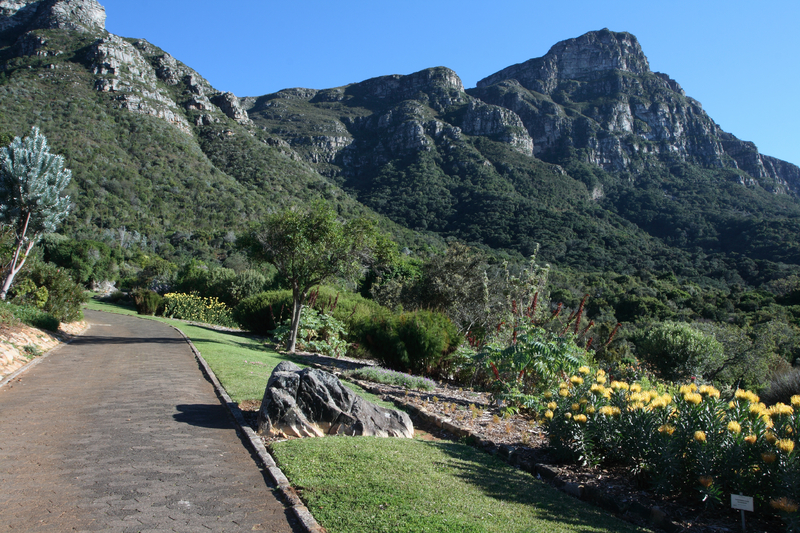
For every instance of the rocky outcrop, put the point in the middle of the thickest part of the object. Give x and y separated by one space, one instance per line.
596 93
437 88
121 68
79 15
230 105
587 57
498 123
314 403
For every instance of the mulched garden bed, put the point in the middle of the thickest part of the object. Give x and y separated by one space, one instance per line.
453 413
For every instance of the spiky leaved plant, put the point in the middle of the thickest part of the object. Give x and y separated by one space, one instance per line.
31 205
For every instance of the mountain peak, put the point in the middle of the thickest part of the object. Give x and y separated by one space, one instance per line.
581 58
26 15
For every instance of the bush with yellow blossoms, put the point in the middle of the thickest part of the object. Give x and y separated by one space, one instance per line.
198 309
689 441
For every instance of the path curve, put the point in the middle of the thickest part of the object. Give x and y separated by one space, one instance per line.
120 431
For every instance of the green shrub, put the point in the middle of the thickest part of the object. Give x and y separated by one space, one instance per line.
198 309
254 313
65 298
29 315
677 351
148 302
318 332
420 342
261 313
225 284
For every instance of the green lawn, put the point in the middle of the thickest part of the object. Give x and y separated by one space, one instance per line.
355 484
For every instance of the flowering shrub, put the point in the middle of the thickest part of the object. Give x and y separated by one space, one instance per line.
198 309
690 440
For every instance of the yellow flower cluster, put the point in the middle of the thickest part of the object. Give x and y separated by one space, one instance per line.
785 445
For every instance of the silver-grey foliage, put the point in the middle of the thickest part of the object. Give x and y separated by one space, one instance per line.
31 205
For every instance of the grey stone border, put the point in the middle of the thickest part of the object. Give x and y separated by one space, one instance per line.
654 516
289 495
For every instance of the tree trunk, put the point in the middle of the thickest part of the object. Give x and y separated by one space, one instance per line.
17 264
297 309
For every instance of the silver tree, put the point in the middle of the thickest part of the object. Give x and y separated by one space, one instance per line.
31 205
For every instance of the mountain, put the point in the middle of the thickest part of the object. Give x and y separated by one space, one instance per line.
586 151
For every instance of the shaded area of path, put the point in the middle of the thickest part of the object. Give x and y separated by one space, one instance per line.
119 431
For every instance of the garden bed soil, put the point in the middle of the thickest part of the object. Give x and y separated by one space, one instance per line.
452 413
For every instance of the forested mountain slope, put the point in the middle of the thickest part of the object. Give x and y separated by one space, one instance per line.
606 164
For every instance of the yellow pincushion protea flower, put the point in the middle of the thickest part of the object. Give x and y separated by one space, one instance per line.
781 409
563 393
795 400
619 385
686 389
734 427
693 398
591 410
666 429
548 414
751 439
548 395
784 504
746 395
567 415
583 401
770 437
600 376
700 436
709 390
785 445
585 370
576 406
597 389
581 419
606 410
552 406
576 380
636 388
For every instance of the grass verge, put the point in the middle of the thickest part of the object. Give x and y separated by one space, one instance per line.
364 484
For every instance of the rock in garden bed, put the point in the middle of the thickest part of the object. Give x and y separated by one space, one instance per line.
313 403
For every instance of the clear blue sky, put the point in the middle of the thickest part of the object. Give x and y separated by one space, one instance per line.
740 59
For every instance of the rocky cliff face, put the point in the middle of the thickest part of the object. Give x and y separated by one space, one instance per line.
596 93
78 15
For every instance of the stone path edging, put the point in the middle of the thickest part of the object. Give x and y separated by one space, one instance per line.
655 516
257 445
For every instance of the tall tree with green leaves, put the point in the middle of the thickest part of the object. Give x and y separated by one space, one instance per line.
31 205
310 247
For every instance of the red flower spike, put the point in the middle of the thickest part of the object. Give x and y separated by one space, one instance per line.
494 369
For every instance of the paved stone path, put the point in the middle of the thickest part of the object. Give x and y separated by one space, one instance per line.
119 431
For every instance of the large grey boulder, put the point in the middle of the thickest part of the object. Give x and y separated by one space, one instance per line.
313 403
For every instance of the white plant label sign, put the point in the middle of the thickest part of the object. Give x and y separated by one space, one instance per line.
745 503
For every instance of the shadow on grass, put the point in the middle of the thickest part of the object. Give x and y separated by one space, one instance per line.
498 480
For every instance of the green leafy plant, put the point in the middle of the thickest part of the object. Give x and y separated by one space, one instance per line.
317 332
